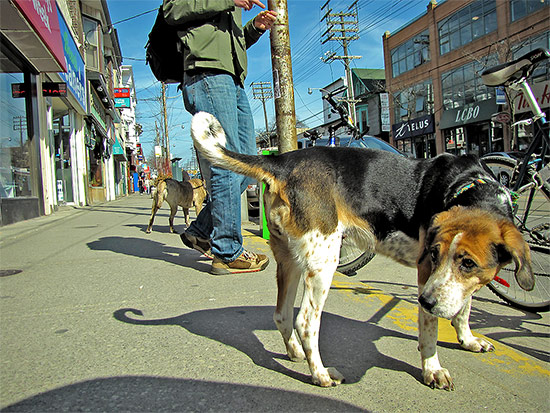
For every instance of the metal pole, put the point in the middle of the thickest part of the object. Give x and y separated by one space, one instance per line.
166 139
283 89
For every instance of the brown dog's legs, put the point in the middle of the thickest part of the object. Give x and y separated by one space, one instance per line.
186 215
154 210
173 211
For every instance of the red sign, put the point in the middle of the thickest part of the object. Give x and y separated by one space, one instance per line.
502 117
59 89
122 92
42 16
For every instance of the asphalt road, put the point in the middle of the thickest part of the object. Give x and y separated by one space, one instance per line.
104 317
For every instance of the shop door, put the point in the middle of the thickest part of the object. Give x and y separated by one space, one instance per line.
63 171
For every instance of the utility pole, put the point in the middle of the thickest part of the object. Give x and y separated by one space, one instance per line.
283 88
166 139
344 28
263 92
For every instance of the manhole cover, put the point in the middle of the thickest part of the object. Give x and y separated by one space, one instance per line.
7 273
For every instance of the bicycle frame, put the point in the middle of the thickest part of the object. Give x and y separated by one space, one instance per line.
539 140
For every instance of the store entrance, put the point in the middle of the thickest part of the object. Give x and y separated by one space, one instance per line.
63 170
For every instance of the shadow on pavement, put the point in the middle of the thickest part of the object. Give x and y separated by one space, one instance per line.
346 344
154 394
145 248
512 325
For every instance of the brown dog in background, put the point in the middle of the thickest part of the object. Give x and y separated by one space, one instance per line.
185 194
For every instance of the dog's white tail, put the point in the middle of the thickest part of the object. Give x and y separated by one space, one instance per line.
209 139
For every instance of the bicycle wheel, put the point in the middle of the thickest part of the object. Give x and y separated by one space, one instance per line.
352 258
532 217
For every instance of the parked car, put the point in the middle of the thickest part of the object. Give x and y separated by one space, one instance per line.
511 154
367 142
503 174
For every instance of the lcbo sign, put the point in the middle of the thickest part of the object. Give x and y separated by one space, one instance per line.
466 115
476 112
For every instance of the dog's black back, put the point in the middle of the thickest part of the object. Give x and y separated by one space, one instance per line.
414 189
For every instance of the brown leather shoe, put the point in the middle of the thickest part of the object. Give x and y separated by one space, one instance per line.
248 261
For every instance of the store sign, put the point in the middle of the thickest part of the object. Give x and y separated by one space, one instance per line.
501 117
42 16
414 127
475 112
385 112
122 92
501 95
49 89
541 90
122 102
75 77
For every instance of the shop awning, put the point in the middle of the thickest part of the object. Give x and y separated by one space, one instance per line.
118 152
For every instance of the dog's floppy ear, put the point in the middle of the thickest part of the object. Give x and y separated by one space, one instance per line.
516 249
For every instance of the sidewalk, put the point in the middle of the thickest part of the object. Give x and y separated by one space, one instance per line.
104 317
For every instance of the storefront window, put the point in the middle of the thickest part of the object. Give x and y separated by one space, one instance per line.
63 171
15 160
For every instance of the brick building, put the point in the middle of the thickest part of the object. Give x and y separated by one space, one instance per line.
433 65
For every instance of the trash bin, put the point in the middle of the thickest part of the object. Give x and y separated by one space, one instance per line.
265 230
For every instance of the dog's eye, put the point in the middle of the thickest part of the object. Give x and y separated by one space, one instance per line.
434 253
468 264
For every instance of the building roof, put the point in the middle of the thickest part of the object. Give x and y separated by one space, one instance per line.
366 74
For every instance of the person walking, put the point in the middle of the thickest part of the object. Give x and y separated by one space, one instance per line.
214 45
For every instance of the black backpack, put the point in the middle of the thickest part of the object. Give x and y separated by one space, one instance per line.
163 51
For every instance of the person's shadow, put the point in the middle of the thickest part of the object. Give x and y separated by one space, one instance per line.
346 344
147 248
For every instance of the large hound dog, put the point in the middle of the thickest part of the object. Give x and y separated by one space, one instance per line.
445 215
185 194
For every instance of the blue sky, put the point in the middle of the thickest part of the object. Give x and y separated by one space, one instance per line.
375 17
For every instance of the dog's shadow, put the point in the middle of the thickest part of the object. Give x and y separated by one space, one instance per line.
346 344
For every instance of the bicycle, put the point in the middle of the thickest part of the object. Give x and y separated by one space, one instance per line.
528 180
352 258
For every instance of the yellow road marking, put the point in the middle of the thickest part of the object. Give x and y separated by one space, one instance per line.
405 316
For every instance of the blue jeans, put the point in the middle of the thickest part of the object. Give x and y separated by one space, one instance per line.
221 95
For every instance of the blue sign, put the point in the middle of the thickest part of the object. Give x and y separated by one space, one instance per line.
501 95
76 71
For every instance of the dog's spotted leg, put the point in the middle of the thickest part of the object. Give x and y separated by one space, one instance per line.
461 323
321 254
433 374
288 276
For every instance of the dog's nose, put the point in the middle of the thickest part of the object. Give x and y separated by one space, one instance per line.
427 302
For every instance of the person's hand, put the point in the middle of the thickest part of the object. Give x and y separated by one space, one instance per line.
265 19
248 4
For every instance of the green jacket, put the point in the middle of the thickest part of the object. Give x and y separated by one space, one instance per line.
212 34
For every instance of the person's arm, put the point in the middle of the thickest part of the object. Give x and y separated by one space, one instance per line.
254 29
178 12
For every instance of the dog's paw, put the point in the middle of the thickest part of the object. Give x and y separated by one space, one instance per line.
329 378
438 379
477 345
